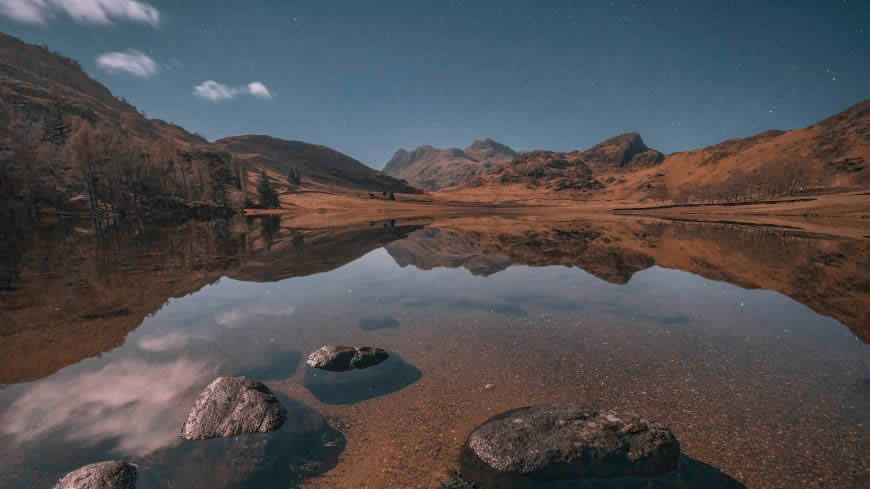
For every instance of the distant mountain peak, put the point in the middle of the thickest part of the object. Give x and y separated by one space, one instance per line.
485 143
621 150
433 168
489 144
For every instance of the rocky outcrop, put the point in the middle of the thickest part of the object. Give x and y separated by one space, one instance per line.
560 443
580 171
343 358
230 406
621 151
113 474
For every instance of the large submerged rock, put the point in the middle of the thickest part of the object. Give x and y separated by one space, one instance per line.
558 443
230 406
343 358
305 446
103 475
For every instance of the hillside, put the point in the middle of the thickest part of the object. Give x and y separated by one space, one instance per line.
432 168
311 163
68 144
831 154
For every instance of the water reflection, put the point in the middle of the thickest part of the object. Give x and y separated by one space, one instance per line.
813 270
128 402
108 336
75 293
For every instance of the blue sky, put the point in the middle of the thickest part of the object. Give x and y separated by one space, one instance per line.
369 77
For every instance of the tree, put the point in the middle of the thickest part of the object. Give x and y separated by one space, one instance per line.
57 129
293 177
268 196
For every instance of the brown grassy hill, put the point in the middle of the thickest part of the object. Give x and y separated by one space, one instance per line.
832 154
313 163
432 168
66 142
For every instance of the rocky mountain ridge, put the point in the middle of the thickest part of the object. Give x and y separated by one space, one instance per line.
432 169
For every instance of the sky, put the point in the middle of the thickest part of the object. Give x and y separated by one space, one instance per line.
366 78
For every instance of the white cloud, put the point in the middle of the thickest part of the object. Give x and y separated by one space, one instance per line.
134 62
257 89
91 11
215 91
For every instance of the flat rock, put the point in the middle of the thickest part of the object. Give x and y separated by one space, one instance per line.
103 475
230 406
343 358
571 442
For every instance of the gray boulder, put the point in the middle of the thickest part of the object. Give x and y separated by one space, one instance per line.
230 406
343 358
103 475
560 443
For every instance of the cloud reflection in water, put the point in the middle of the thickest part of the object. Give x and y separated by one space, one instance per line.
235 317
134 403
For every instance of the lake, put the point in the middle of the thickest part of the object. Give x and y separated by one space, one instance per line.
749 342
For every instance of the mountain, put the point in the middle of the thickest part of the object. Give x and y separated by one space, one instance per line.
432 168
314 164
577 170
830 154
67 143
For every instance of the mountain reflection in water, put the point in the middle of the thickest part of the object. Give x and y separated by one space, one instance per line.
107 338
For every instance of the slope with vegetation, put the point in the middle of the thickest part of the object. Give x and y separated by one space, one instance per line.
298 166
831 155
68 144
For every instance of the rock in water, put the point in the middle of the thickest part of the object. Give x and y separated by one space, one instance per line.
344 358
103 475
305 446
558 443
230 406
392 375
